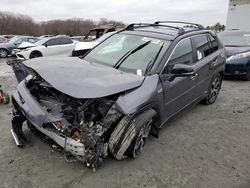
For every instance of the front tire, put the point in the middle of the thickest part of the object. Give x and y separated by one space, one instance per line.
129 137
35 54
214 89
3 53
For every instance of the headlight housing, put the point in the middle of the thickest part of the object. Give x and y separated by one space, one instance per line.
239 56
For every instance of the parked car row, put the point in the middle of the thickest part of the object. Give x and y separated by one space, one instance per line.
13 43
25 47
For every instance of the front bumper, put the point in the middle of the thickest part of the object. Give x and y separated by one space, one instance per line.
27 108
236 69
15 51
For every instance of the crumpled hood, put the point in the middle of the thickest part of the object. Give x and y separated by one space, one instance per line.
81 79
24 45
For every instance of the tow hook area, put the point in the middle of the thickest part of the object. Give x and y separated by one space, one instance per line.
16 131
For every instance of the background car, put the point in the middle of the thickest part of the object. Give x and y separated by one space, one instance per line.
77 38
237 45
82 48
96 33
6 48
3 39
48 46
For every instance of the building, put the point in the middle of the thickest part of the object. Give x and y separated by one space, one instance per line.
238 15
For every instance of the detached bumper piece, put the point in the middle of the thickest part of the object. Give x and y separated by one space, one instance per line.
16 131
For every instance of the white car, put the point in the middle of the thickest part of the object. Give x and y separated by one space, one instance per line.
49 46
83 47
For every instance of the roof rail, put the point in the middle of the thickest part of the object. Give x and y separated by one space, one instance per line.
133 25
190 25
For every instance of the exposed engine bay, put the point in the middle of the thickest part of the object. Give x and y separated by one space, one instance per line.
86 121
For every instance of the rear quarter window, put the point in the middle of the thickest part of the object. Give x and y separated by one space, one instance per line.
66 41
214 42
53 42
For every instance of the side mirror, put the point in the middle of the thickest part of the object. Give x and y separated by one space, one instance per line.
178 70
181 70
46 45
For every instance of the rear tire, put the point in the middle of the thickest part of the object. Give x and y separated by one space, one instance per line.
3 53
35 54
214 89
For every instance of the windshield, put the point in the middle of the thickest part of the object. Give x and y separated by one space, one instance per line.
115 48
235 38
42 41
14 39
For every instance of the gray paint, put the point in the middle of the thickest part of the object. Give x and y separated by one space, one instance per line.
131 102
81 79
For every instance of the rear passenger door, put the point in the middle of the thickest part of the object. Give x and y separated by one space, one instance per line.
66 47
204 59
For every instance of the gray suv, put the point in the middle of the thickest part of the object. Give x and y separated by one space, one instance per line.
128 86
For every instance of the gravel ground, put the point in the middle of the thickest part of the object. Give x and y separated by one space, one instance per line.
207 147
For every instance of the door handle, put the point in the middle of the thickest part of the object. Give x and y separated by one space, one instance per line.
194 76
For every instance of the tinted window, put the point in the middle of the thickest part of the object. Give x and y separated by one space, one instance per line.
202 45
66 41
214 42
182 54
53 42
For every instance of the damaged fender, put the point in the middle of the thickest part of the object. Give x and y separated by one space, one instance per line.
132 105
133 101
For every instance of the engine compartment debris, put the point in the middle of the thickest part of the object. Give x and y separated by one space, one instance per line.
85 121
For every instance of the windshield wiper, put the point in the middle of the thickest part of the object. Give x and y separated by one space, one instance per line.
126 55
152 61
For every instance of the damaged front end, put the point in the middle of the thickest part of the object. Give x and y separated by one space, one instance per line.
81 126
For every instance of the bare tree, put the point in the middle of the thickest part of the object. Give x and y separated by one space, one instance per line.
19 24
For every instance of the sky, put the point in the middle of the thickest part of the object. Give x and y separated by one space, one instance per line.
206 12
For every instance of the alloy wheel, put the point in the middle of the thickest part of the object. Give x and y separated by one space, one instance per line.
141 139
214 89
3 53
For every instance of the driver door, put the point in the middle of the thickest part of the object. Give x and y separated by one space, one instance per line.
178 92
